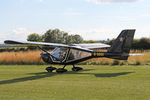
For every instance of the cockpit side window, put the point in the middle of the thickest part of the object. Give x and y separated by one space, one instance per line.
59 54
77 54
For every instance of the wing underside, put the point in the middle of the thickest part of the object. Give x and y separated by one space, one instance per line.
9 45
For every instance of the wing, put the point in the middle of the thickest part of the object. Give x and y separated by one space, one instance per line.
92 45
76 46
34 43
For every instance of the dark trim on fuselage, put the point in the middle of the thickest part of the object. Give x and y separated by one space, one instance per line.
94 54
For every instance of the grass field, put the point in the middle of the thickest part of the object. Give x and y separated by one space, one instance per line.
32 82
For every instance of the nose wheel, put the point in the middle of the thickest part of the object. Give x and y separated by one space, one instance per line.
61 70
50 69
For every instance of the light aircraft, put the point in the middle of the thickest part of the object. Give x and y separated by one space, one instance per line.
72 54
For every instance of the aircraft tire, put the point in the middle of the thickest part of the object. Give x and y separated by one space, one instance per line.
61 70
50 69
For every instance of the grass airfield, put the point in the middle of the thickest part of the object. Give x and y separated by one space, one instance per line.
95 82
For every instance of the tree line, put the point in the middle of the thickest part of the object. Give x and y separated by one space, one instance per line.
140 44
55 36
58 36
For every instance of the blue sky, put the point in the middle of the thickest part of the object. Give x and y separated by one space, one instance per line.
92 19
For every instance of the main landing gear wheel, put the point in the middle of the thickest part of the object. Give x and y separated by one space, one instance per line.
76 68
61 70
50 69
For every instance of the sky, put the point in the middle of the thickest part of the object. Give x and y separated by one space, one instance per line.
92 19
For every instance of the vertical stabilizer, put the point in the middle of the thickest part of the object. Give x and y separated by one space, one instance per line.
122 44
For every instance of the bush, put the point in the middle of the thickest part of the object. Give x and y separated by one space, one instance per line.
115 62
138 63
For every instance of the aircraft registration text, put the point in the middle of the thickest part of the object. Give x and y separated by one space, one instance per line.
98 54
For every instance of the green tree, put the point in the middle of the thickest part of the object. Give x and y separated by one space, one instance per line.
144 43
135 44
52 36
110 42
34 37
57 36
77 39
70 39
65 38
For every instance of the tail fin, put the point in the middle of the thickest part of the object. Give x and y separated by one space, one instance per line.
122 44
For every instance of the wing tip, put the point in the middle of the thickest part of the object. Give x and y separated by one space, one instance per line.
11 42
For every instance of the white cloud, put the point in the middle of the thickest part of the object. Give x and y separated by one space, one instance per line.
19 34
109 32
111 1
20 31
145 15
23 1
41 0
97 33
71 12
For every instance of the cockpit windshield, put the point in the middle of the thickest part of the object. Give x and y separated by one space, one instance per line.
59 54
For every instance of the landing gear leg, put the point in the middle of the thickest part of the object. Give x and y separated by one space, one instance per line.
50 69
61 70
76 68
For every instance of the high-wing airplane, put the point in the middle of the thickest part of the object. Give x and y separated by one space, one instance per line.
72 54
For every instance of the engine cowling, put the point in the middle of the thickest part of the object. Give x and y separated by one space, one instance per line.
46 58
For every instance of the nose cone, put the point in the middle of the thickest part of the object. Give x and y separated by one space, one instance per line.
44 54
46 57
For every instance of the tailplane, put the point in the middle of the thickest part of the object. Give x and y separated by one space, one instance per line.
122 45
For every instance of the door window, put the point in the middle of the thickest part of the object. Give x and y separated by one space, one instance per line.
77 54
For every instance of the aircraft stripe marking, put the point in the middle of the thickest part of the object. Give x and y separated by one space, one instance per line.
98 54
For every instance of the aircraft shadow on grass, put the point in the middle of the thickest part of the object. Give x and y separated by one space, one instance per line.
46 74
